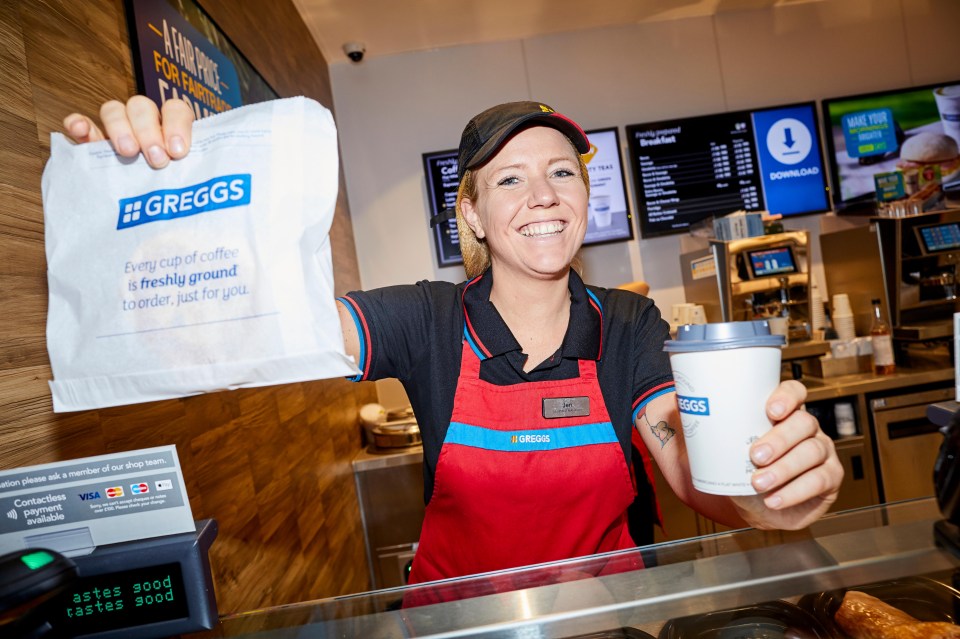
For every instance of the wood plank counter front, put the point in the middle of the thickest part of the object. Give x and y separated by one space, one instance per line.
271 465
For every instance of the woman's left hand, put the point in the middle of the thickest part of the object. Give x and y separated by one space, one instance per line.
798 472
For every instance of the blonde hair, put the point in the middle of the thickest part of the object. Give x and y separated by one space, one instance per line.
475 252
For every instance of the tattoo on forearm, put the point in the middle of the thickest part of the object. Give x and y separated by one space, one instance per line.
661 430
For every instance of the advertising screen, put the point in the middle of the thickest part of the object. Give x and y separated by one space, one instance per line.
608 211
881 133
690 169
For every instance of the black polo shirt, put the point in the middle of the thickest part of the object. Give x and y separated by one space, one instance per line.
415 333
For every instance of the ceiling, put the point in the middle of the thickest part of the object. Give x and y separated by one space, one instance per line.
389 27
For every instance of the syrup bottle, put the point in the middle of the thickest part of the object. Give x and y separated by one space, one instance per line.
881 337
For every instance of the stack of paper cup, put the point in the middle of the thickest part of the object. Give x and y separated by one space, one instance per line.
843 317
818 318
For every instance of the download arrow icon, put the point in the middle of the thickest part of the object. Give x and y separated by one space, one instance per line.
788 138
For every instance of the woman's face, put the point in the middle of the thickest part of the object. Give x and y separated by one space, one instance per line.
531 204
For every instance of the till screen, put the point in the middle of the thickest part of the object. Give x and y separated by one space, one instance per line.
121 600
942 237
772 262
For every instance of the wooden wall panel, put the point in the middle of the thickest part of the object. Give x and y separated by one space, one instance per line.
272 465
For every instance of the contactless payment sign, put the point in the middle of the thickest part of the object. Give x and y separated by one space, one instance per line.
75 505
790 162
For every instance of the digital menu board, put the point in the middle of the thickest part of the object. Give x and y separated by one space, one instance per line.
440 169
689 169
873 135
608 210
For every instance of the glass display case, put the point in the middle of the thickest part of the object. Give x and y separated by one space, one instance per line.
777 583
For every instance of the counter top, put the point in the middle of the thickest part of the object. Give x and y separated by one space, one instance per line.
923 371
371 458
695 576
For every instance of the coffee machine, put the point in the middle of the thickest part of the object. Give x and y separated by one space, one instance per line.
910 263
767 276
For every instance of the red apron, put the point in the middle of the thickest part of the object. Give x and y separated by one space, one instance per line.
514 488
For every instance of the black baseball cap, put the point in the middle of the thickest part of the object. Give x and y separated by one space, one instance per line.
485 133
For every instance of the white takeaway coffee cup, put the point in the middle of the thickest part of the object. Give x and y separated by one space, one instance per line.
948 103
724 374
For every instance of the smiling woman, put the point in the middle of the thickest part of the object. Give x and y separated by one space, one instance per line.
528 385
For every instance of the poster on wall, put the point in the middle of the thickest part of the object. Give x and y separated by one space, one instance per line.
608 213
440 171
178 52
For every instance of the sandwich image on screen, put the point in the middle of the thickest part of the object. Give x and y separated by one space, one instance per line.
893 131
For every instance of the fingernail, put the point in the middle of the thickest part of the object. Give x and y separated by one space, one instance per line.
761 454
777 409
126 145
763 481
156 155
176 145
773 502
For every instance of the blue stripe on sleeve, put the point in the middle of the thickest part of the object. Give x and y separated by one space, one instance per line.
360 334
641 405
530 440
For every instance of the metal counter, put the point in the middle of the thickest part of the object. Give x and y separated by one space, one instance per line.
924 371
390 492
682 578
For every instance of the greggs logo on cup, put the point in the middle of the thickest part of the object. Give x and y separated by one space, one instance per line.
694 405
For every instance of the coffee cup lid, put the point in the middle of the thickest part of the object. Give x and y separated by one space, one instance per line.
722 335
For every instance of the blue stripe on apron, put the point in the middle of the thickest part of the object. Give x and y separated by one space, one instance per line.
529 440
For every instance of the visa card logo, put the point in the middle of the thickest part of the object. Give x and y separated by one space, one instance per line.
218 193
114 491
694 405
89 496
164 484
139 489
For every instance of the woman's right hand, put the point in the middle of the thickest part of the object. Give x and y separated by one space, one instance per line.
138 127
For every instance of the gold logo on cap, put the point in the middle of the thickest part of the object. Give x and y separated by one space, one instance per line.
545 108
589 154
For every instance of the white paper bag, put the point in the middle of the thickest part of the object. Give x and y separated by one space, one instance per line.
213 273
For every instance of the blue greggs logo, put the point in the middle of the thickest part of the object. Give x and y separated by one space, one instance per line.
221 192
694 405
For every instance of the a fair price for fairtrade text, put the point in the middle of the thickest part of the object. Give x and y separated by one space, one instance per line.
197 276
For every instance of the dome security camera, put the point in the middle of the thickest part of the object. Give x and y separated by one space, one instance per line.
354 50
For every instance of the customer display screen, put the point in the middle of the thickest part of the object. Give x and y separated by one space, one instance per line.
773 261
690 169
120 600
940 237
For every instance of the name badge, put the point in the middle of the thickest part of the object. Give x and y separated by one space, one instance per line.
554 407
